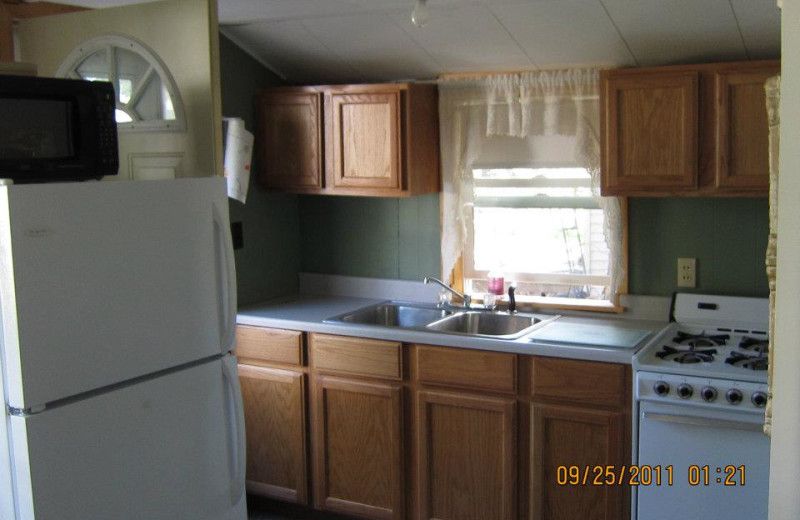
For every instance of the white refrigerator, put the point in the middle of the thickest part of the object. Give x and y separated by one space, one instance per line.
121 399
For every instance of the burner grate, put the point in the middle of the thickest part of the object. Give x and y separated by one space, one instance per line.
685 356
738 359
759 346
700 340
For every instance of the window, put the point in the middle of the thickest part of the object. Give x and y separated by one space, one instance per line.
520 157
542 227
147 98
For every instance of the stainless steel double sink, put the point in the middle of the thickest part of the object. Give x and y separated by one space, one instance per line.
431 318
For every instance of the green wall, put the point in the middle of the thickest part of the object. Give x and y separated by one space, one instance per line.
728 237
267 265
399 239
370 237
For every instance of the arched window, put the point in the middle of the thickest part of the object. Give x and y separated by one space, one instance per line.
147 97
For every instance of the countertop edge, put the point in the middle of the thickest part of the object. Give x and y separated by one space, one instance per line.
306 313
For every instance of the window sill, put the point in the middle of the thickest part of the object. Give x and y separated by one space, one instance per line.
535 303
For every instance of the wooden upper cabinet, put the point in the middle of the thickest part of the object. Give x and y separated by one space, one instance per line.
290 141
367 140
650 131
687 130
742 151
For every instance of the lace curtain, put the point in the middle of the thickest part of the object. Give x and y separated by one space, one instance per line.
559 102
773 91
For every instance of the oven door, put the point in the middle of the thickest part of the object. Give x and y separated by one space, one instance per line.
719 461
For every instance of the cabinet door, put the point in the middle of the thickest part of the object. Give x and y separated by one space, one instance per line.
651 129
274 415
365 140
571 436
466 456
742 147
358 447
290 140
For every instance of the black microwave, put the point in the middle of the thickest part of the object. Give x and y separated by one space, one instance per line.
54 130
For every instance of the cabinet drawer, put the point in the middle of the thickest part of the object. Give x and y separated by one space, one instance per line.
269 345
357 356
473 369
586 382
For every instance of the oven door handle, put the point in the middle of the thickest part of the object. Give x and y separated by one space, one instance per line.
702 421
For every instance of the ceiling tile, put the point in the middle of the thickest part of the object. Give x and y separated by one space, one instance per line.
565 32
374 46
662 32
760 23
289 50
466 39
249 11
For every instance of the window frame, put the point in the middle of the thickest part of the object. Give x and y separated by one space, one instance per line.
469 273
68 69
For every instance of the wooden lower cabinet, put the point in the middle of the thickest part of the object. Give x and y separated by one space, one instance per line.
274 412
391 431
358 446
572 437
466 459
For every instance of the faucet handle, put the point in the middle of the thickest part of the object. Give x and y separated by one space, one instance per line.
512 302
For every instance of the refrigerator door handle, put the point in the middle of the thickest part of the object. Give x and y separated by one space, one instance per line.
238 452
229 282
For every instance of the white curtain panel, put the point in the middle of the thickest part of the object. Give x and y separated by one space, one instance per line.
557 102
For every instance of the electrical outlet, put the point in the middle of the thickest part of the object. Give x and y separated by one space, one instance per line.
237 235
687 272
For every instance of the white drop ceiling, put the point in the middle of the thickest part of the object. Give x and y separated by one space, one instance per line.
339 41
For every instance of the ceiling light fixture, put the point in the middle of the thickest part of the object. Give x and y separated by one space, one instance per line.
421 14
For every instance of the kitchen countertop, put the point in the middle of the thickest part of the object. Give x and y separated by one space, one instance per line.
307 312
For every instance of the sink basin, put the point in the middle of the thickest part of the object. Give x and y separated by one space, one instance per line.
496 325
394 315
430 318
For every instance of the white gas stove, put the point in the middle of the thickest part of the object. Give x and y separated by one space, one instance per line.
701 389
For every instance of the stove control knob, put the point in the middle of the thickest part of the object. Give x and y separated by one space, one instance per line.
685 391
734 396
709 393
759 399
661 388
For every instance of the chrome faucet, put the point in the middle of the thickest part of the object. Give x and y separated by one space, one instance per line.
467 299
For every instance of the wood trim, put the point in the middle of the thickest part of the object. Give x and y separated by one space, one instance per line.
321 436
6 34
356 356
464 368
420 146
269 345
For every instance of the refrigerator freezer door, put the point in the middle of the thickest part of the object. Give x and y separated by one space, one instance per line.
162 449
108 281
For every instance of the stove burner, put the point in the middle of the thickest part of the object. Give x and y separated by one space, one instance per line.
689 355
700 340
760 346
738 359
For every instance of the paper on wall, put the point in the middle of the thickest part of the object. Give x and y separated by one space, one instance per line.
238 154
